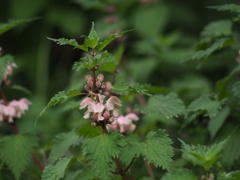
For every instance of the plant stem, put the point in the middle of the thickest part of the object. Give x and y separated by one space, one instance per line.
125 170
122 173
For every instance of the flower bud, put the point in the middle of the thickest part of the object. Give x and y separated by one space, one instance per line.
88 78
94 124
90 83
98 84
106 114
100 77
108 85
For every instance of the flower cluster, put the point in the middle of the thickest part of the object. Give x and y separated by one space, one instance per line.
13 109
98 111
124 123
8 72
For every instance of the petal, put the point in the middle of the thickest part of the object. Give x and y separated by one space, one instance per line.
98 107
132 116
85 103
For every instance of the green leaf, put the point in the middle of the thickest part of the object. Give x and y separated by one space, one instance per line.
221 85
111 64
109 39
236 89
100 151
55 172
89 62
217 29
122 87
16 152
231 151
169 105
202 155
227 7
180 174
4 60
146 178
234 175
12 23
61 97
72 42
204 103
217 45
62 142
89 131
92 39
216 122
20 88
87 174
156 148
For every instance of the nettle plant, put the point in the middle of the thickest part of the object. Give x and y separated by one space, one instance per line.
109 146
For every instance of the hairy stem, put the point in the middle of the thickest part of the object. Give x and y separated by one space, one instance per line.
130 164
122 173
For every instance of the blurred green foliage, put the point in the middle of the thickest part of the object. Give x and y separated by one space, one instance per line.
166 33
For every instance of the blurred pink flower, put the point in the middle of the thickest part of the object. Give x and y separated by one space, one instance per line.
9 70
112 103
124 123
14 109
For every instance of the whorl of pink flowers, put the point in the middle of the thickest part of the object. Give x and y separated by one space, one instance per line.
13 109
99 111
124 124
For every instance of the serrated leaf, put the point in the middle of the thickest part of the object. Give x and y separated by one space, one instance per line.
60 97
217 45
221 85
204 103
169 105
180 174
236 89
16 152
122 87
72 42
89 62
3 64
216 122
111 64
89 131
55 172
92 39
100 151
227 7
87 174
109 39
234 175
156 148
12 23
231 152
62 142
202 155
145 178
217 29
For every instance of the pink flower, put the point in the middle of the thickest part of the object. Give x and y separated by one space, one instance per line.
112 103
14 109
10 112
98 109
20 106
9 70
124 123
